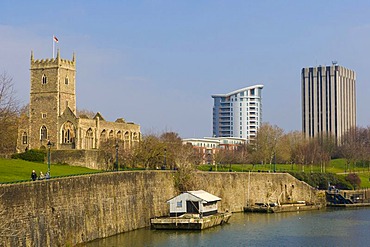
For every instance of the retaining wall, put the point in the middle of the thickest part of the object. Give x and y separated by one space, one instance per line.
68 211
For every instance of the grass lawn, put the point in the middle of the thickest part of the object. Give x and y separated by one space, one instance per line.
365 179
337 166
16 170
19 170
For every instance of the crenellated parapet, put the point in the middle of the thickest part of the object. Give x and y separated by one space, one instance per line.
53 62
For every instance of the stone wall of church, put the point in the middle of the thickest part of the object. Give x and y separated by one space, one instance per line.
53 103
103 130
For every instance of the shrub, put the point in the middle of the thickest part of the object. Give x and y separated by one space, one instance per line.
33 155
322 180
354 180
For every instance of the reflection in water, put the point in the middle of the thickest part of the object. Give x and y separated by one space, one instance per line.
311 228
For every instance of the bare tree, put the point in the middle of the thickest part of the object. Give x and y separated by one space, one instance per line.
350 148
184 177
172 146
150 154
263 148
9 107
85 113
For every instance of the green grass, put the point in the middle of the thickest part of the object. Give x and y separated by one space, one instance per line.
337 166
17 170
12 170
365 179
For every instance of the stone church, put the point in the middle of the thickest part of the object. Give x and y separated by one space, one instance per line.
52 113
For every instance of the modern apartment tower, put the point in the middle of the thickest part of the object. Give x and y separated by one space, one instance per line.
239 113
328 101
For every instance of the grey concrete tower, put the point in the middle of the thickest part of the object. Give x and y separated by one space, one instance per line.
328 101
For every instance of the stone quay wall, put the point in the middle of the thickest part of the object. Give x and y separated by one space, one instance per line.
69 211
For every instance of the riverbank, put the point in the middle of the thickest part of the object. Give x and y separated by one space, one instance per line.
294 207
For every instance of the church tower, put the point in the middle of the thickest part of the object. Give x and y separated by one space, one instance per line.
53 91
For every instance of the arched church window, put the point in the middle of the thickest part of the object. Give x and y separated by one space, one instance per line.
103 135
126 142
43 133
66 80
111 135
119 135
24 138
135 139
44 79
127 136
68 133
89 139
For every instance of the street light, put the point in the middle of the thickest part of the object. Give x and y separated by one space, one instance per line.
165 158
275 156
165 161
117 156
49 147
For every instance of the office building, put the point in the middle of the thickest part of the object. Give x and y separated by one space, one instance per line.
206 148
239 113
328 101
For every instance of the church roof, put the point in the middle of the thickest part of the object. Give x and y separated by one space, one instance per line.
98 114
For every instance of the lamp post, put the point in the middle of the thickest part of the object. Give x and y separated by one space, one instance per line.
49 147
208 161
117 156
165 161
275 156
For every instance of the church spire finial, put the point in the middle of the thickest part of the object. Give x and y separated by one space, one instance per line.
31 56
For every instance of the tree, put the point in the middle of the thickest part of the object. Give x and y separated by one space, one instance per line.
108 152
351 147
354 180
263 148
150 153
184 161
85 113
9 108
172 146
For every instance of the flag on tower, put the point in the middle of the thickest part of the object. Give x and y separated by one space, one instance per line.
56 39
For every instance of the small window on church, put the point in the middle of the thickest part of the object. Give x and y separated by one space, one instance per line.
43 115
66 80
43 133
24 138
44 79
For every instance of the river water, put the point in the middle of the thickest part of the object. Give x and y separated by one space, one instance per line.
328 227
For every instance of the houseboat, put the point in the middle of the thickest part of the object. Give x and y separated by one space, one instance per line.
192 210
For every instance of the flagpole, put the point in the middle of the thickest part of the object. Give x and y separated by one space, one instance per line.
53 46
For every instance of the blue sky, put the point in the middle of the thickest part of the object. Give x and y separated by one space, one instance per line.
157 62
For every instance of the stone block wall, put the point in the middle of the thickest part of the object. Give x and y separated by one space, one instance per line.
239 190
68 211
86 158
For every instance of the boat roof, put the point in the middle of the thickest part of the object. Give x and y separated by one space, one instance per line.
201 194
